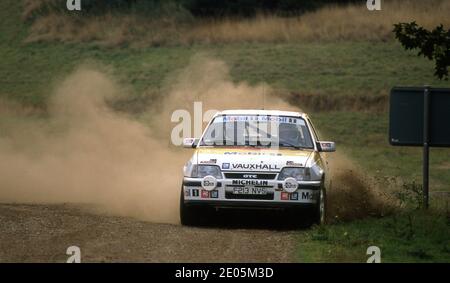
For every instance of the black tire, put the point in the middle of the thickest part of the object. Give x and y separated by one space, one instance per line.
319 213
188 215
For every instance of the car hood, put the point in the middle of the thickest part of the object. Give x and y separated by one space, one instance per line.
252 159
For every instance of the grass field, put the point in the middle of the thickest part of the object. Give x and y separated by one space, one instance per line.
334 69
409 237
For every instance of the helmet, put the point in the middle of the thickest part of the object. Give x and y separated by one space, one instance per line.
289 132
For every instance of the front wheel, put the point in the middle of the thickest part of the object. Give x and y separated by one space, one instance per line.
320 209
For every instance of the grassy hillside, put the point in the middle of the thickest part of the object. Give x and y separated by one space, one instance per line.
332 69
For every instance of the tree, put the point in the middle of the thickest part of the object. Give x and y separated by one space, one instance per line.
434 44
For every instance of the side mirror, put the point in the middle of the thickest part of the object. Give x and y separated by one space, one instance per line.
326 146
190 142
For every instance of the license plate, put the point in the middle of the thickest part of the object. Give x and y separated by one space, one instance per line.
249 191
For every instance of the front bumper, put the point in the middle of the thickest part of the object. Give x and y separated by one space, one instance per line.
307 194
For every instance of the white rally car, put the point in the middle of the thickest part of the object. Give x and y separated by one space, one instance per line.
256 159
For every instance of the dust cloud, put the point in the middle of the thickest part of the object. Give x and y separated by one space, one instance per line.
354 194
85 152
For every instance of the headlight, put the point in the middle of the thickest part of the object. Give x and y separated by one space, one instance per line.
315 172
292 172
200 171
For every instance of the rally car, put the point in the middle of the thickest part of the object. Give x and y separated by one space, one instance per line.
256 159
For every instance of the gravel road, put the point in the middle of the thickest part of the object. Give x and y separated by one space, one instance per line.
42 233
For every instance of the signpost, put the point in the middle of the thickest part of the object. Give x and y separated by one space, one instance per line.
420 116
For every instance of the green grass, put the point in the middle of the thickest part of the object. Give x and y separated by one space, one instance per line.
328 69
409 237
364 136
28 71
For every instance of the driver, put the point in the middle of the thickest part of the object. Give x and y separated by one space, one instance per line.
289 133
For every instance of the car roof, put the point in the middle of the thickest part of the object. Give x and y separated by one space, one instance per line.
261 112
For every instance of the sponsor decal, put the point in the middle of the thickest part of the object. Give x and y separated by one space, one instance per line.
195 192
284 196
215 194
255 166
205 194
294 196
261 176
225 165
250 176
262 118
211 161
253 153
292 163
307 195
250 182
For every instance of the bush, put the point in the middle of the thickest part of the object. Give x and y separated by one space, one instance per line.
411 195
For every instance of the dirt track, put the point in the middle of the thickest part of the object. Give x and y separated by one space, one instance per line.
42 233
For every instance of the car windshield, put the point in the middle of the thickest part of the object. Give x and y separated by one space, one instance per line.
258 131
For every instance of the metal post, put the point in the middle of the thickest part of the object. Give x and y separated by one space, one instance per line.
426 149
